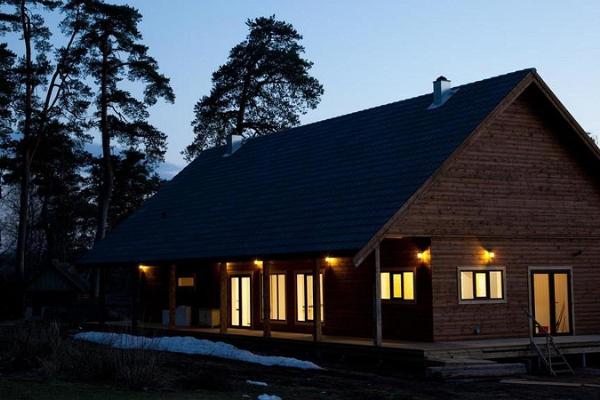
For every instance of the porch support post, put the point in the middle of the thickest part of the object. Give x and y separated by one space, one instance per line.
317 335
223 303
377 341
172 295
135 297
266 275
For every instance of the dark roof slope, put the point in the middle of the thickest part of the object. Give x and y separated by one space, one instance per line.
58 276
322 187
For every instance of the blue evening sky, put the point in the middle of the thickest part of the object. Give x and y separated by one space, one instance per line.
370 53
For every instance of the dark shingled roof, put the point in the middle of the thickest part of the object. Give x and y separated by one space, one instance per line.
323 187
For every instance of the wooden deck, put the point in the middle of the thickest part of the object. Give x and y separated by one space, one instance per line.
421 352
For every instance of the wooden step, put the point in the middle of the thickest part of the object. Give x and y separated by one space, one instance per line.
489 370
554 364
567 370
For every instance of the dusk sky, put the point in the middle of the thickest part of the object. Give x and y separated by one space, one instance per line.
371 53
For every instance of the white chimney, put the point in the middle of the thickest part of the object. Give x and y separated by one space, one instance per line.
234 142
442 90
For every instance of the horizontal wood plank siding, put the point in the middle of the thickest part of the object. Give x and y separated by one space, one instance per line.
458 321
524 188
347 295
408 320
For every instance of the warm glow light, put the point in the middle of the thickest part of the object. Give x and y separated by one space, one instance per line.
488 256
424 256
258 263
143 268
331 260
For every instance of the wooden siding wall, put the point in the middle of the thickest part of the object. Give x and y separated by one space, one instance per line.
154 289
153 294
407 320
524 189
348 293
347 296
458 321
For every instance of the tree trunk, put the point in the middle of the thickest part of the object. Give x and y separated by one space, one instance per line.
106 187
243 101
23 218
25 150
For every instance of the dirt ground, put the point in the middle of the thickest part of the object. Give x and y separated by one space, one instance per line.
344 384
209 378
179 376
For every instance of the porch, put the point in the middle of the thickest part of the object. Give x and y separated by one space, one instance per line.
307 297
386 301
410 352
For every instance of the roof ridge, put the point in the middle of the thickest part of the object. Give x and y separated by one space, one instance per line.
365 110
530 69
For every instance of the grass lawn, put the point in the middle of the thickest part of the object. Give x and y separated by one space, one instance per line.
28 390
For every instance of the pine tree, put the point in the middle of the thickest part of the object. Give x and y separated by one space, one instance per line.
135 180
46 91
59 185
264 87
7 89
115 53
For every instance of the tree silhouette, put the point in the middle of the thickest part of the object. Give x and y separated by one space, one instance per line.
115 54
46 92
264 87
7 89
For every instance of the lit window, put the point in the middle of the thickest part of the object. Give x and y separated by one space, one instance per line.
277 297
385 286
466 285
409 285
496 285
481 284
398 285
186 281
305 299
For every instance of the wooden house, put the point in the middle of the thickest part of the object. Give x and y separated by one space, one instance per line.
448 216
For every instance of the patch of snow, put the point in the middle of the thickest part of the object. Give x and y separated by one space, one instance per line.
256 383
268 397
190 345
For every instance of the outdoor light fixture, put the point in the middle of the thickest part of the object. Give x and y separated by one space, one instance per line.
424 256
258 263
488 255
331 260
143 267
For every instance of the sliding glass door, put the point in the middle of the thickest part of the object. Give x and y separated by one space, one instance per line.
240 301
551 301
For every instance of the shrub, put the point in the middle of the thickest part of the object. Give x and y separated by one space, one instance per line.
140 368
26 344
48 349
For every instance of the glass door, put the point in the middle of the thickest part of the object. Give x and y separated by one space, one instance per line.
240 302
551 301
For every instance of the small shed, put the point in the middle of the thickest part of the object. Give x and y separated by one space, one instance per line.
58 292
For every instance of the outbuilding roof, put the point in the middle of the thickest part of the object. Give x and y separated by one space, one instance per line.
324 187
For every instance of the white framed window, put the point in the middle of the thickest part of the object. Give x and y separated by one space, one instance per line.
305 298
277 297
481 285
398 285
